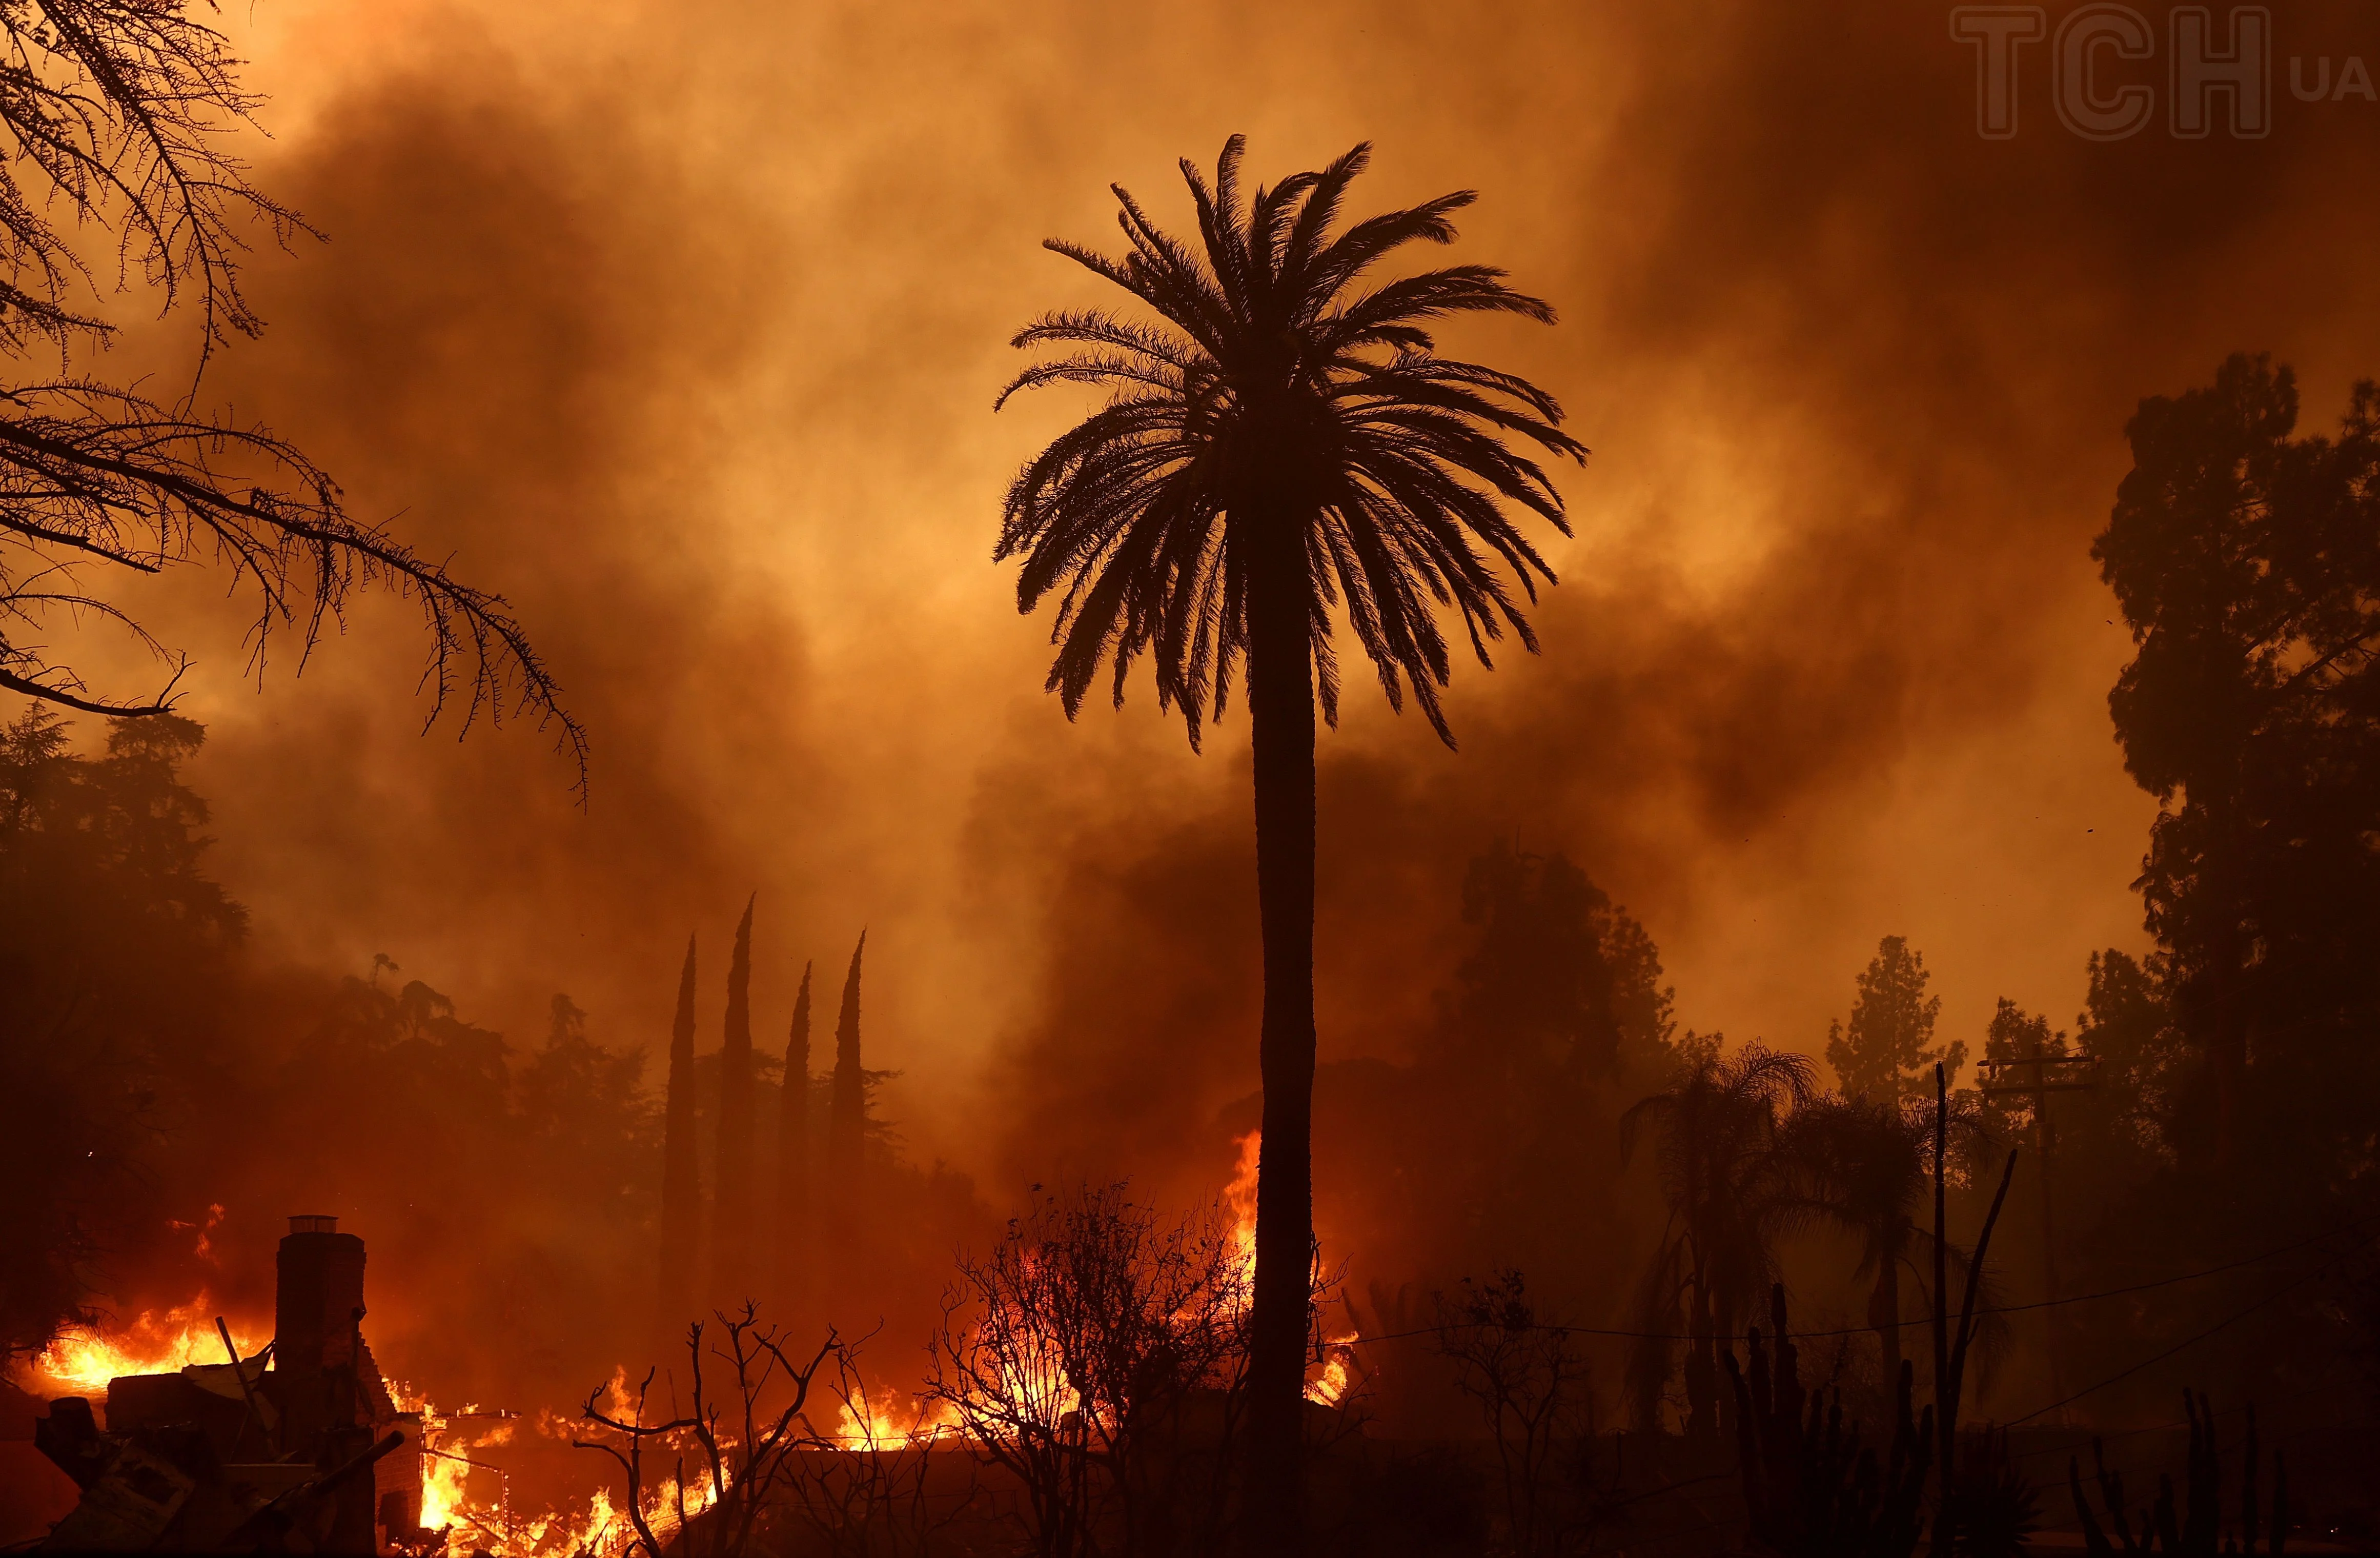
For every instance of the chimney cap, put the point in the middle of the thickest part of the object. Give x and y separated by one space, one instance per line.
313 1223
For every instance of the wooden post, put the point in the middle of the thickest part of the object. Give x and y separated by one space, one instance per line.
247 1392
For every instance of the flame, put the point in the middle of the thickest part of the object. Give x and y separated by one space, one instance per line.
1240 1195
865 1425
84 1358
204 1249
443 1499
602 1530
1330 1387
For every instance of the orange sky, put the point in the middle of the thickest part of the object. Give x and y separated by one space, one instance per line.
681 325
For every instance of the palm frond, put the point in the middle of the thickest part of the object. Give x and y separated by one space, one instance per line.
1265 391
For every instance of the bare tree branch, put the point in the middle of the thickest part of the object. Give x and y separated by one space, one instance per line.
118 112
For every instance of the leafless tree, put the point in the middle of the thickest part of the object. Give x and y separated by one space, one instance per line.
1098 1355
118 116
746 1443
1530 1381
874 1496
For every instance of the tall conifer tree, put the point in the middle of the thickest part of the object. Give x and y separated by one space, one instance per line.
681 1176
847 1120
793 1151
731 1227
1887 1049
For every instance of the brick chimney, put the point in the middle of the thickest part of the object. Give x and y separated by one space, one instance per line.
317 1310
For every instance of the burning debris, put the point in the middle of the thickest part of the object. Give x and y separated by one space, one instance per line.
299 1448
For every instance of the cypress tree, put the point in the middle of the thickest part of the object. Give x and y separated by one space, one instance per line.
681 1183
846 1124
731 1225
793 1147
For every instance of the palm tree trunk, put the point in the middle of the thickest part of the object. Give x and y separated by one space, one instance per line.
1280 694
1701 1373
1883 1315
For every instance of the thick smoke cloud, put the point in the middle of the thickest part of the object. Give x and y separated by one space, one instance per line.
681 327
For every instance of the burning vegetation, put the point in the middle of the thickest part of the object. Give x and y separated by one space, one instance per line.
1080 1383
1471 1246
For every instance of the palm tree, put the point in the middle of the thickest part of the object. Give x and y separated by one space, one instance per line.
1281 443
1731 1188
1866 1162
1865 1166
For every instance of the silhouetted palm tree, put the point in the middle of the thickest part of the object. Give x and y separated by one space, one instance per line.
1283 440
1731 1188
1865 1165
1866 1160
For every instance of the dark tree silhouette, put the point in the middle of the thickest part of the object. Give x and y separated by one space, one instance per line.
1953 1343
1730 1187
2196 1526
846 1128
1862 1166
790 1224
730 1195
1091 1354
114 953
1561 979
574 1093
117 114
1525 1373
1556 1015
1868 1159
1888 1044
681 1171
2247 566
1284 441
1810 1490
748 1437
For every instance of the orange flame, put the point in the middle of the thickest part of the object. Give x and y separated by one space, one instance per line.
1240 1195
1330 1387
449 1502
867 1426
84 1358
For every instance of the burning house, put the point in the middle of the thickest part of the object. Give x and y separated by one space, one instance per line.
298 1449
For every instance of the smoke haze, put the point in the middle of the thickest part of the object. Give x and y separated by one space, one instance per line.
681 326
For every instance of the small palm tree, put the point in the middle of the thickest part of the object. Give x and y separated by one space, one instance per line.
1865 1165
1281 443
1732 1187
1866 1162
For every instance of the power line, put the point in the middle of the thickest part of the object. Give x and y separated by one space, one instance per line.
1795 1334
2186 1341
2266 1404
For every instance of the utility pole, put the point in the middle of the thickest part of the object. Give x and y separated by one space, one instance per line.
2033 1076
